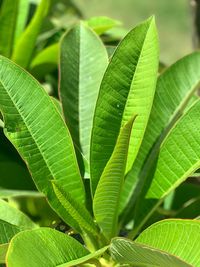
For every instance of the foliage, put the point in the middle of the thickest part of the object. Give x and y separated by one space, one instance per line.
106 154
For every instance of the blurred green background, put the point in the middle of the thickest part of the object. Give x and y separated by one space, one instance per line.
174 20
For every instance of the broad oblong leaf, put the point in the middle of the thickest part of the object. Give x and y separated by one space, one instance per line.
122 94
35 127
131 253
177 237
174 90
26 43
83 60
107 195
178 158
43 247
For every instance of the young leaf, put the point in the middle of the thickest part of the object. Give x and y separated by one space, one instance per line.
178 158
83 60
127 252
43 247
107 195
26 43
177 237
35 127
122 94
8 17
76 211
174 89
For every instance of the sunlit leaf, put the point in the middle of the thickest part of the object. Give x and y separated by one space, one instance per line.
35 127
109 188
122 94
83 60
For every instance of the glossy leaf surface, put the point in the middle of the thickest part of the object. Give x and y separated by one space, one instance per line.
107 195
122 94
59 249
132 253
178 158
174 89
34 126
83 60
177 237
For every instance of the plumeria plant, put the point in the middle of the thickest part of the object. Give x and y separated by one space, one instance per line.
106 154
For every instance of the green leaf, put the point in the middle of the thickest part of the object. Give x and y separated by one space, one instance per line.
7 231
8 18
76 211
26 43
7 193
86 258
3 251
177 237
107 195
35 127
122 94
14 216
127 252
174 91
58 105
13 171
43 247
45 61
101 24
22 16
178 158
83 60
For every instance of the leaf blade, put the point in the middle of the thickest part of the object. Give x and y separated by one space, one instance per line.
107 195
83 60
36 144
174 89
21 252
125 251
120 96
173 168
175 236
